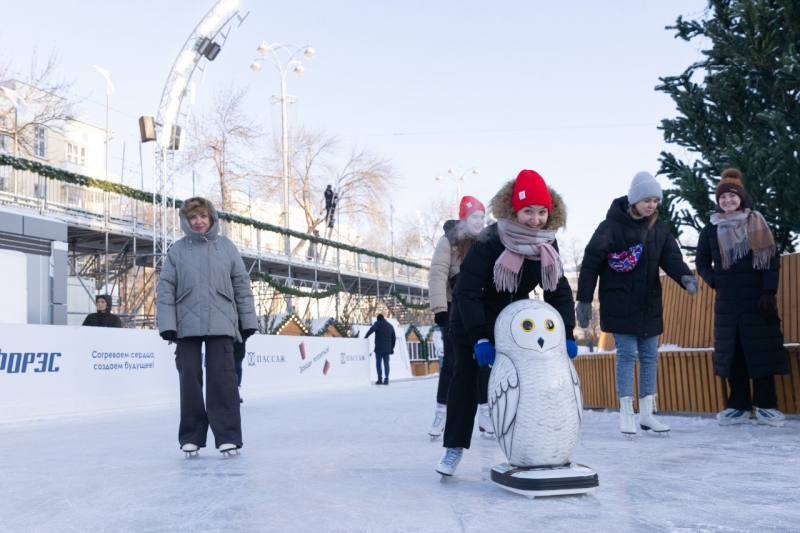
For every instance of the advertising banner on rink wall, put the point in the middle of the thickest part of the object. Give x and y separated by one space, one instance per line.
63 370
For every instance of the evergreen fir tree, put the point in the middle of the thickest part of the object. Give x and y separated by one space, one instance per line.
739 106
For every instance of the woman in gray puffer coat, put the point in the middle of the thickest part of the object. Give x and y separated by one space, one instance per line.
203 294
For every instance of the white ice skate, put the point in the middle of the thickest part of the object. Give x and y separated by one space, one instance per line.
439 420
449 461
730 417
647 420
627 422
485 421
191 450
229 450
770 417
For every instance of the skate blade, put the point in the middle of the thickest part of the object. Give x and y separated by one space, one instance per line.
629 436
192 455
648 430
230 454
434 437
487 435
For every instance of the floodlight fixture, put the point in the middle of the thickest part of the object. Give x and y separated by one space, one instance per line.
299 71
310 52
264 48
255 66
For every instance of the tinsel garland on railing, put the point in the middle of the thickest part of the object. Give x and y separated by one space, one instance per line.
406 303
283 289
47 171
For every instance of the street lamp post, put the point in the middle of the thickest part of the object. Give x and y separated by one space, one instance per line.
451 173
270 52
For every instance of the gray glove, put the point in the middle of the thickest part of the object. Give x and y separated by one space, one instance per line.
690 284
584 314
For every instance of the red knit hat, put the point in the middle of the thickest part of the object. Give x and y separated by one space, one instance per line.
530 189
469 204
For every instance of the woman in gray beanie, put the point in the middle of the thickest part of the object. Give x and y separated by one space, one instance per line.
626 252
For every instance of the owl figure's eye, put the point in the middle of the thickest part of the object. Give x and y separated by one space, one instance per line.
549 325
527 325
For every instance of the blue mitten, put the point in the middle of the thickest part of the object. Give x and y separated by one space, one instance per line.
572 349
484 353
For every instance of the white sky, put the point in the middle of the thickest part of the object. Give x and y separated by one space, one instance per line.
565 88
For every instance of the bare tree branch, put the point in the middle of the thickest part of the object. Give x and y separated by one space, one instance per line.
363 181
223 141
46 96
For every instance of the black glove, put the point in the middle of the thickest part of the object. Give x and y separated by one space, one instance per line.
170 335
247 333
442 318
584 314
767 303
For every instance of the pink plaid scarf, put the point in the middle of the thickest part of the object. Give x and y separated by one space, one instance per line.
523 242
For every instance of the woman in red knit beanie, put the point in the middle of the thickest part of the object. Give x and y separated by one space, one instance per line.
445 265
508 261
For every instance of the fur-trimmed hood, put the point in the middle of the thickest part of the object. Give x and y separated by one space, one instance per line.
500 207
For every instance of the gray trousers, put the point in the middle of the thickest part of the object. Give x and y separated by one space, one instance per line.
221 408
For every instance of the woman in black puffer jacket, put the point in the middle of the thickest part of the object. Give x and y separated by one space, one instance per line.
748 343
496 272
626 252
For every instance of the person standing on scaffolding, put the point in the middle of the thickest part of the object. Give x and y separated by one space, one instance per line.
328 201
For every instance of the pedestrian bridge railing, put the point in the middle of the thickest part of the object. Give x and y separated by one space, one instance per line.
107 206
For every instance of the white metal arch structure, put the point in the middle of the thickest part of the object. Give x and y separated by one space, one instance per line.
173 116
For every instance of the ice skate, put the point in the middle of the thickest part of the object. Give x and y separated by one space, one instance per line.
438 421
730 417
647 420
770 417
485 421
379 382
229 450
627 424
191 450
449 461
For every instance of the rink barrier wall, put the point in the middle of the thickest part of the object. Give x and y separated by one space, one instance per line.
686 382
50 371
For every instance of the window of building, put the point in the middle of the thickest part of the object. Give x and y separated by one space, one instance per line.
40 142
76 154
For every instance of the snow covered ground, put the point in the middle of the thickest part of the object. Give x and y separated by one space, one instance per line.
360 460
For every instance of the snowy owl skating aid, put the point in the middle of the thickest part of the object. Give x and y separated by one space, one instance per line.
536 404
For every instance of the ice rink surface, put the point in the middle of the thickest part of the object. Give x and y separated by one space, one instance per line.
360 460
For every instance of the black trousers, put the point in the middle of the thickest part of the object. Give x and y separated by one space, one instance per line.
447 370
739 383
463 397
221 409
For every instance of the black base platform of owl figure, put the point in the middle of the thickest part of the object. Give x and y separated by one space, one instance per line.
536 404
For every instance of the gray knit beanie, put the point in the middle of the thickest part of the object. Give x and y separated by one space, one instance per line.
644 185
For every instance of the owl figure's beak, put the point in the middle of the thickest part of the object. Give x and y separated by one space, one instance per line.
541 342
